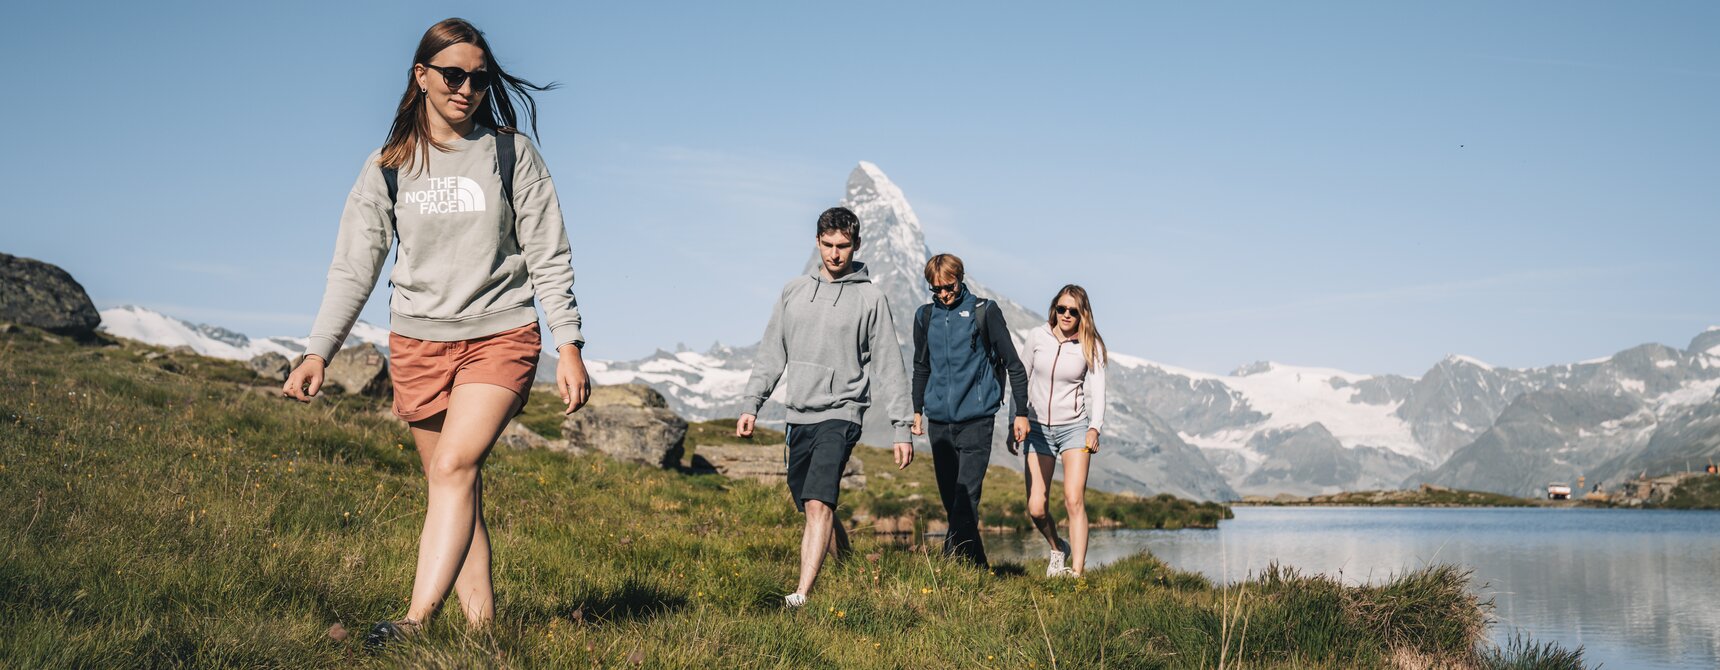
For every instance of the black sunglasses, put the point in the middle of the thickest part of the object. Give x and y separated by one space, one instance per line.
941 288
454 77
1071 311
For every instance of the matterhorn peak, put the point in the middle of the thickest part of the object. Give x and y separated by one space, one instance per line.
889 229
1460 359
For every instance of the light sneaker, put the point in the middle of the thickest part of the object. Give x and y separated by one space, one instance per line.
795 600
1055 566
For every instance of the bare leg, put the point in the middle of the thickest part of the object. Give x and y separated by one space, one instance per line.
1039 470
472 586
838 538
814 542
476 414
1075 464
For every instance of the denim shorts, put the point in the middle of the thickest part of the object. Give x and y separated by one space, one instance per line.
1054 440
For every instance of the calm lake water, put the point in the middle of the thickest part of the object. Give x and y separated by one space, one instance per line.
1635 589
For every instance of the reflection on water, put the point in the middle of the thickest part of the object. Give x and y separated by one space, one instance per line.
1636 589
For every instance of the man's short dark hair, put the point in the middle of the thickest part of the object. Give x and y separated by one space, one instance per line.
839 219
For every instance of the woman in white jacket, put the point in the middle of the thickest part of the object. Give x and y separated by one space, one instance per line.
1066 397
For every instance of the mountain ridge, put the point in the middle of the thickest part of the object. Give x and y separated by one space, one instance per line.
1212 436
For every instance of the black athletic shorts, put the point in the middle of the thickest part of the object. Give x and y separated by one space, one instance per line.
817 454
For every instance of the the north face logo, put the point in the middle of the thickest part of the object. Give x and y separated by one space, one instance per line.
446 195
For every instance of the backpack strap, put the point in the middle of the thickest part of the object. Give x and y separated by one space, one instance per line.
980 341
505 161
922 323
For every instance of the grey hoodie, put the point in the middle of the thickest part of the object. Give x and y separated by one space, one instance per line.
827 342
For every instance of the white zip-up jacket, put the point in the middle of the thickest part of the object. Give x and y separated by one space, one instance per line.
1061 388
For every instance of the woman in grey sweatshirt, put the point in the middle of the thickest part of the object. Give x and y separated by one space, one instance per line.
470 210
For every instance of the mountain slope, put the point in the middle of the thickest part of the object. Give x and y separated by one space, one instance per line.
1208 435
1143 454
145 325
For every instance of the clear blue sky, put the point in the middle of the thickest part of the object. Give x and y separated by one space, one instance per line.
1360 185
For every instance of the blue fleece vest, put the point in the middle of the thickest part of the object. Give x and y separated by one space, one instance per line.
963 386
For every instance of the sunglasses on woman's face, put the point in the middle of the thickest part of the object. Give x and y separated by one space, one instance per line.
1070 311
454 77
942 288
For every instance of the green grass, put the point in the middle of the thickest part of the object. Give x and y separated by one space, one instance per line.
1416 498
182 517
1702 492
891 492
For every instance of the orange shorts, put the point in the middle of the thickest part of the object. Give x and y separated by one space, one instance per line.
426 372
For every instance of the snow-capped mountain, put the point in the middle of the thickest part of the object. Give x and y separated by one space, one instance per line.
145 325
1265 428
1648 408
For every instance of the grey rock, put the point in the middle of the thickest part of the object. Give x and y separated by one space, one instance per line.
271 366
517 436
34 293
765 464
360 370
628 422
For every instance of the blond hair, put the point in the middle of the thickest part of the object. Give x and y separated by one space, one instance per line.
1092 345
944 265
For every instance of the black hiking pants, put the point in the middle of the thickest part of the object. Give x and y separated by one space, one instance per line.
961 452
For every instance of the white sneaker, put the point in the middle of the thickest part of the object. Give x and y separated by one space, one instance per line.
795 600
1055 566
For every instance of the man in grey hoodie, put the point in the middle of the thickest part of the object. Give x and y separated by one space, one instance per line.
830 336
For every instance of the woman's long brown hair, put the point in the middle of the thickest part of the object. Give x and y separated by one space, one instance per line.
1092 346
409 139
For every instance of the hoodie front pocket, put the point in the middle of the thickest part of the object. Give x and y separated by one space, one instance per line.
809 386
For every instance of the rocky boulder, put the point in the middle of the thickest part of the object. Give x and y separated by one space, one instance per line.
628 422
764 463
39 294
517 436
359 370
271 366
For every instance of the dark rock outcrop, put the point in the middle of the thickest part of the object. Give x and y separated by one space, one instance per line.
40 294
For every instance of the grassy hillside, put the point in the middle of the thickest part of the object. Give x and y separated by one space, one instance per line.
1695 493
1426 497
165 512
892 492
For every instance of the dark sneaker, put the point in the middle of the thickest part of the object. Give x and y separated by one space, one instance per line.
385 633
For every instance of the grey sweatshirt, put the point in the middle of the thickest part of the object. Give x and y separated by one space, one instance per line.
828 342
469 265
